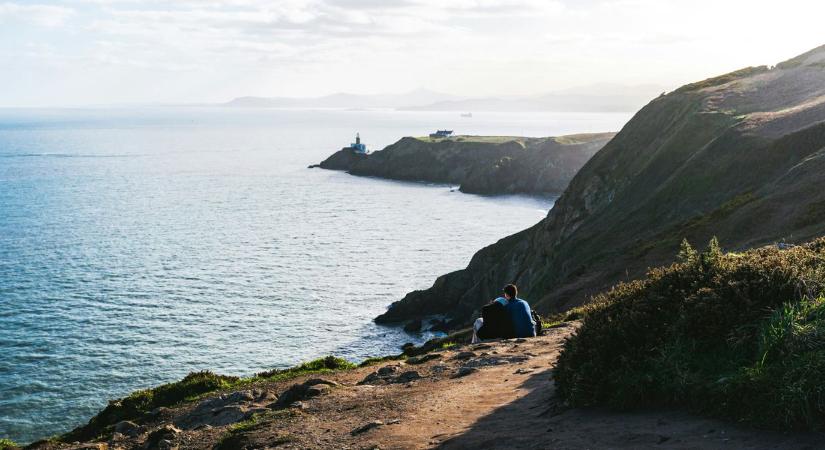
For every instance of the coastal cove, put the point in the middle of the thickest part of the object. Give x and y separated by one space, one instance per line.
139 245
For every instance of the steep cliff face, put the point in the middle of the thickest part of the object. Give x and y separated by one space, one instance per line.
480 165
740 156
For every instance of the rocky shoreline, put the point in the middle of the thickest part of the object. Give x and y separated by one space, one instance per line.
487 165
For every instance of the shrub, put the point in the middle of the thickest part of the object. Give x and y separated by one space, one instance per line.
140 402
735 335
320 365
8 444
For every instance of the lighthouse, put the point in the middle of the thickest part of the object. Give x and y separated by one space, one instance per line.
358 147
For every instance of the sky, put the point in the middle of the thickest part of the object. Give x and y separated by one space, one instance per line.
91 52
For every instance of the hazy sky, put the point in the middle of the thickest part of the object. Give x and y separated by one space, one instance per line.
123 51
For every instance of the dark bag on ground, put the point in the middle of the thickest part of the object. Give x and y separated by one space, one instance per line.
537 319
497 323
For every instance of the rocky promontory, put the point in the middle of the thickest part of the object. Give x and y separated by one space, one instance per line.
740 156
488 165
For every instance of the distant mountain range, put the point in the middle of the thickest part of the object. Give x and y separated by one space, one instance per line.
594 98
415 98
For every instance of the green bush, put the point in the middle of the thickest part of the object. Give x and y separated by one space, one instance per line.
140 402
734 335
320 365
8 444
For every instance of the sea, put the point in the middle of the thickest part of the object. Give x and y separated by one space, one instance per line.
138 244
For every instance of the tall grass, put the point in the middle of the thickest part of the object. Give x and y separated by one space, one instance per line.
734 335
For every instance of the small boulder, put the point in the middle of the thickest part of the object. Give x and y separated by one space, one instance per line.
314 381
387 371
239 397
366 427
298 392
162 438
464 371
370 379
316 390
128 428
160 411
439 368
423 358
408 376
464 355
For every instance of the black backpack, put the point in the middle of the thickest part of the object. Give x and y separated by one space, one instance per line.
497 323
537 319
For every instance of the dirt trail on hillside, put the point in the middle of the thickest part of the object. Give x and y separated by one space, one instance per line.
496 395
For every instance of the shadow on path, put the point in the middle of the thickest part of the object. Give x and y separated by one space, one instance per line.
538 421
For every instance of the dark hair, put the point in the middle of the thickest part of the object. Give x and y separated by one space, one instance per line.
511 290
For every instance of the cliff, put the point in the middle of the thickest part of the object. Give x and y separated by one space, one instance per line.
479 164
495 395
740 156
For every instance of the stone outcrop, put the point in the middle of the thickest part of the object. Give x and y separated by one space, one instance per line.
740 157
479 164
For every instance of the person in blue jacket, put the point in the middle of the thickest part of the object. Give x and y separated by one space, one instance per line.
512 314
519 311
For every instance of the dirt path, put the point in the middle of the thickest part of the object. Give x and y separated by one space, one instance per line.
497 395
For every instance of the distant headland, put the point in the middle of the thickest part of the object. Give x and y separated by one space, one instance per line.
488 165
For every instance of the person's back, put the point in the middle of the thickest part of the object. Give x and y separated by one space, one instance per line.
523 325
505 317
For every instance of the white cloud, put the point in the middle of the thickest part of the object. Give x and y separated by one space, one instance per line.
38 14
314 47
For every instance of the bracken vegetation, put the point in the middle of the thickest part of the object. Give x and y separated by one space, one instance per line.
740 336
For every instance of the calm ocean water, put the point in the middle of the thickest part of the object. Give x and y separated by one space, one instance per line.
137 245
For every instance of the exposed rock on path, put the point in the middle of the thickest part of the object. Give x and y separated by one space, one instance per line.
503 400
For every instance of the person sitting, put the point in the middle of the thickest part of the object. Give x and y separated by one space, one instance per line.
505 317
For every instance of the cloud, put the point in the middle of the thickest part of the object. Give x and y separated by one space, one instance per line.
38 14
313 47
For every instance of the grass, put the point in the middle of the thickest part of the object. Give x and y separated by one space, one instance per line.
197 385
8 444
194 386
441 343
814 214
478 139
317 366
723 79
140 402
740 336
582 138
234 437
382 359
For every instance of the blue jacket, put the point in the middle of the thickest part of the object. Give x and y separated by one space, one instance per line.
519 311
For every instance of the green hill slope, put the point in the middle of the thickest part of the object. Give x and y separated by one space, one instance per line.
739 156
479 164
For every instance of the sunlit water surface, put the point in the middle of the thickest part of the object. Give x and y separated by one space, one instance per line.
137 245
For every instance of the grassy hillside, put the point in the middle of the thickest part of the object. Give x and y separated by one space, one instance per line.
739 335
740 156
487 165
